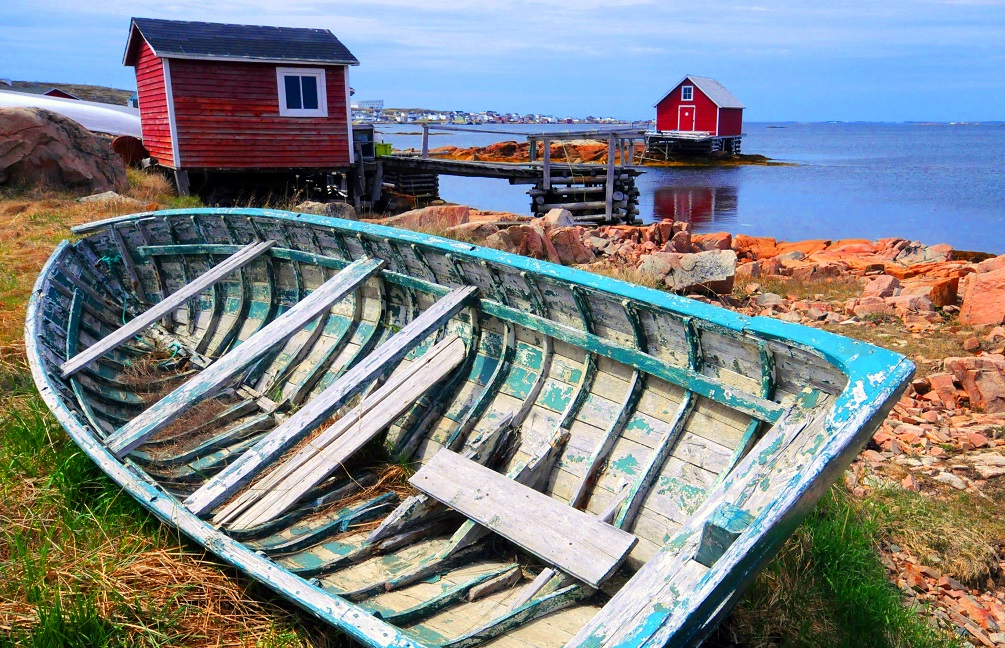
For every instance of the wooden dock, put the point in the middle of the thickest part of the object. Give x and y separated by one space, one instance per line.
593 193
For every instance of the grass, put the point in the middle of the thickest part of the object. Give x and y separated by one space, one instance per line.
827 587
82 564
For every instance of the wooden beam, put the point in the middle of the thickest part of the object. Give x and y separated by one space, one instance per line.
164 307
209 382
611 143
281 488
318 409
576 542
547 163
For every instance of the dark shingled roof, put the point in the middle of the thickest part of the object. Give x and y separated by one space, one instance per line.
200 40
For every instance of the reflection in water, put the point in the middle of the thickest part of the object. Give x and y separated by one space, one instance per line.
700 205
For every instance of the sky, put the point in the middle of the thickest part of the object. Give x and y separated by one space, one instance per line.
799 60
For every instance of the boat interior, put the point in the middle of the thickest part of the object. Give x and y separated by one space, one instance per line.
469 446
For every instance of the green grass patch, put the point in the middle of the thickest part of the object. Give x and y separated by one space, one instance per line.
83 564
827 588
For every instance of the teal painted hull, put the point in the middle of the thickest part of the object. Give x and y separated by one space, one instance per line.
705 434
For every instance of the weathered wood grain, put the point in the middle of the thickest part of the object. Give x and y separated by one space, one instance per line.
324 454
321 407
212 379
576 542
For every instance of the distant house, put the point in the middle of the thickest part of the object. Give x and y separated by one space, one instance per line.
61 94
700 104
216 97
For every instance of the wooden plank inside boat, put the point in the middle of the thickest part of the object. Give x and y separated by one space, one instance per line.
576 542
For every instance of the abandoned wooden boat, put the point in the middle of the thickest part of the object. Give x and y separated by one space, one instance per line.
597 464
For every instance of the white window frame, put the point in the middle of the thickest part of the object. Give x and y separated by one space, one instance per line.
317 73
687 93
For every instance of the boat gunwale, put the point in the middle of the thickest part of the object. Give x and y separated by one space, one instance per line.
873 374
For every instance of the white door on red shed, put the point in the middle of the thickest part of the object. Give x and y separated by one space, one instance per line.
685 118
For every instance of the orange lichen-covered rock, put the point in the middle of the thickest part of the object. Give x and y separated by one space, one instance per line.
714 241
942 291
754 247
806 247
984 299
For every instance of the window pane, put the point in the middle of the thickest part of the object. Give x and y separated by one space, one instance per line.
310 92
293 100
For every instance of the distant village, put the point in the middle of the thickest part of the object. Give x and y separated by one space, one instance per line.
374 112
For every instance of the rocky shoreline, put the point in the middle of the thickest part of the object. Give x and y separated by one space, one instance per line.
587 151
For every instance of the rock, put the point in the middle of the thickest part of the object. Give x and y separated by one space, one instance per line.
753 247
568 244
870 306
750 270
474 232
714 241
654 267
904 304
881 286
130 149
972 345
558 218
989 464
769 300
39 147
680 242
944 386
805 248
915 253
989 265
942 291
334 209
910 483
527 240
111 196
951 480
714 270
983 378
433 217
984 299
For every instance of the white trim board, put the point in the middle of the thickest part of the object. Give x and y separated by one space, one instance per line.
322 90
172 124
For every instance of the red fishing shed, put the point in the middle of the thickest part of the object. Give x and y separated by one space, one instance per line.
218 98
700 104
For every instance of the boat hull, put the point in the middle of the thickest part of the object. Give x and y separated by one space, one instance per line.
705 435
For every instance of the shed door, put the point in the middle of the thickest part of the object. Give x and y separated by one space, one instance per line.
685 118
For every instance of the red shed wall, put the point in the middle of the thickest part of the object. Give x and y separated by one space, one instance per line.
730 121
705 113
153 106
227 117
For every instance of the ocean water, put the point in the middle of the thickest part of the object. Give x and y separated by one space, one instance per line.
937 183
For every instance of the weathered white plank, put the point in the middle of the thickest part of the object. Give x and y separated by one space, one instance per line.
532 588
576 542
164 307
315 412
215 377
333 447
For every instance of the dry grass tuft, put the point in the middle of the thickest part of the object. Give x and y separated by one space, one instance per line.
959 533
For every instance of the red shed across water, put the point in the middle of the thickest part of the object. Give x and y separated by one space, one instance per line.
700 104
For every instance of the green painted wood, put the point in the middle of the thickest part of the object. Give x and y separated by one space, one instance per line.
512 619
647 476
325 404
444 599
720 532
156 312
72 326
212 379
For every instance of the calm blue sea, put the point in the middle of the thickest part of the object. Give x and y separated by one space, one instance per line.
937 183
